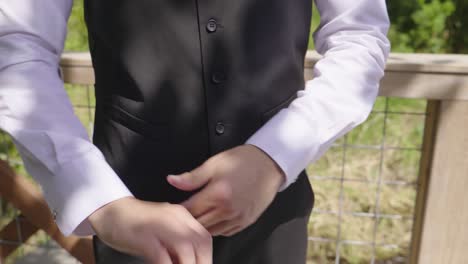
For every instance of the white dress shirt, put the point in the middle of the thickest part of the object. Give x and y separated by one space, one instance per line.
75 178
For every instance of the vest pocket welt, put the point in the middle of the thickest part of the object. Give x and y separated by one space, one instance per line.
150 131
273 111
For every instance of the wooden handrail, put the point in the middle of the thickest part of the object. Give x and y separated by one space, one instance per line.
423 76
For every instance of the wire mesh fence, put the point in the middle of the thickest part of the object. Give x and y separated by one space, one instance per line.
365 186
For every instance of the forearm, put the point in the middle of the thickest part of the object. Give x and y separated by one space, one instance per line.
36 112
352 38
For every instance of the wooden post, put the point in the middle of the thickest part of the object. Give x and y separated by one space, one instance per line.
444 237
430 126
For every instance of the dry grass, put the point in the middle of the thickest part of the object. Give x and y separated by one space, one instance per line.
396 166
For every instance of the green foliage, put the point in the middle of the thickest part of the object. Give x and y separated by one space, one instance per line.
314 25
458 27
77 38
433 26
431 31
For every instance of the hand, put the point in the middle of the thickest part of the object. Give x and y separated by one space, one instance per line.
238 185
161 233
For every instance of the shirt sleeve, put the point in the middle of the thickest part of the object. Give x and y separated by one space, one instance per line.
35 110
352 39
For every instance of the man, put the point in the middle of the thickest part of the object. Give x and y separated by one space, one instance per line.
201 112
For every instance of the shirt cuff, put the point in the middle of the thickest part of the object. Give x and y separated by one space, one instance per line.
289 140
82 186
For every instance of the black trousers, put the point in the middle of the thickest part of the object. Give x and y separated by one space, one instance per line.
279 236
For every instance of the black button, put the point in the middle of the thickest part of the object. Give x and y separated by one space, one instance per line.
211 26
219 128
218 77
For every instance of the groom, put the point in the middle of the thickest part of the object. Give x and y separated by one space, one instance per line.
204 124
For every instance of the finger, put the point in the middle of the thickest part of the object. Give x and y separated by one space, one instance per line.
199 237
202 240
222 227
164 257
211 218
199 204
183 251
159 254
203 247
190 181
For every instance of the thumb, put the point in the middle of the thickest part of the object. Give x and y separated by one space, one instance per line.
189 181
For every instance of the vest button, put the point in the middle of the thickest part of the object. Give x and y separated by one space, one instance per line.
218 77
219 128
211 26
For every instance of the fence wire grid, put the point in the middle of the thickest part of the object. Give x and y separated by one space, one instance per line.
365 187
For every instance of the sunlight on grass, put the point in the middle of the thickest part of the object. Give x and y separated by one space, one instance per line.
402 127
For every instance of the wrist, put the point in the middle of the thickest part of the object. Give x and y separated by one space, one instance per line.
272 165
98 217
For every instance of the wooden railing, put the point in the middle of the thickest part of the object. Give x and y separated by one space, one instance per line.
440 232
26 197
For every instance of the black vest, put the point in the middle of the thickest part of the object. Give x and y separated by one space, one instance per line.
178 81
